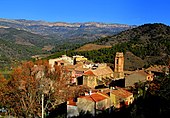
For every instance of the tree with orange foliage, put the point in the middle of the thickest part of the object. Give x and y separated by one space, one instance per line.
23 92
3 83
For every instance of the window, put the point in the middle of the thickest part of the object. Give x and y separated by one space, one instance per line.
117 61
148 78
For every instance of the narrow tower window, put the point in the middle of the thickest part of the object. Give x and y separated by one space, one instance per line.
117 61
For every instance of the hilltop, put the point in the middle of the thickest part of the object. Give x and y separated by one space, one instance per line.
143 34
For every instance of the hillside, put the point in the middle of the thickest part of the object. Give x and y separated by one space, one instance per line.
17 45
23 37
132 61
90 47
145 41
145 45
146 33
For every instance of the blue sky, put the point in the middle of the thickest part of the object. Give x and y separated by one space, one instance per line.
133 12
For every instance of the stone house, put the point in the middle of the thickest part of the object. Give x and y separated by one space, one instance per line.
159 70
79 59
93 103
71 71
99 76
121 97
72 109
138 76
64 60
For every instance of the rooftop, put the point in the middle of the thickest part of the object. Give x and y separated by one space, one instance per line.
121 92
143 72
71 102
96 97
158 68
100 71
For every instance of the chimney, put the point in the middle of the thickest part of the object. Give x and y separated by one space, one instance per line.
149 72
90 92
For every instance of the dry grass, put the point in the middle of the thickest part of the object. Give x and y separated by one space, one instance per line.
47 47
90 47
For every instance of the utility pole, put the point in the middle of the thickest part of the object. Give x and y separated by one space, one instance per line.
42 105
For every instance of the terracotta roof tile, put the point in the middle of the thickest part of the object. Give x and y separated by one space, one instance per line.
70 67
71 102
100 71
95 97
121 92
80 68
89 73
142 72
157 68
103 71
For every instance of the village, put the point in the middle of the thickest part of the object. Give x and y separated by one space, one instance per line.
75 87
109 89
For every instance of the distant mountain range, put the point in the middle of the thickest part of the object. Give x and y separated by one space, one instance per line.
46 28
66 32
20 39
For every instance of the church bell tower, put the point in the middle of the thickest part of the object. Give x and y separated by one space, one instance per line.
119 66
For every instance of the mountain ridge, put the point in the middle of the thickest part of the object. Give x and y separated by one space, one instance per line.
42 27
59 23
